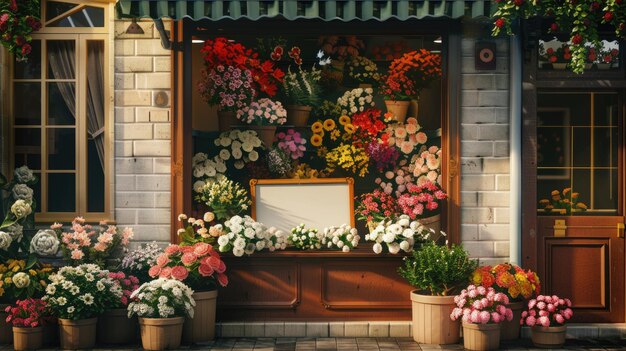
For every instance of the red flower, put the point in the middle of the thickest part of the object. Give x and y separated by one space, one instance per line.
608 16
267 67
294 52
550 51
554 27
614 52
577 39
499 23
274 56
278 74
13 6
20 40
278 50
26 49
553 59
518 2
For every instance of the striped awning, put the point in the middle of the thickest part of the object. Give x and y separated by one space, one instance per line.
327 10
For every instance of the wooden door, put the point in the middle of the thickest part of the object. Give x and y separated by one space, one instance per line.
580 241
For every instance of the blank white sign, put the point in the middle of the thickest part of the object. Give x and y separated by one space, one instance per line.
318 203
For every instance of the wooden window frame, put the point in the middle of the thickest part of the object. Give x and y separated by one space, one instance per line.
81 36
182 33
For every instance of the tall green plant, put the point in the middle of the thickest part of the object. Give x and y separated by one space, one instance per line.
438 270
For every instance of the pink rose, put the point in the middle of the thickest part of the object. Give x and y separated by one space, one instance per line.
154 271
162 260
222 279
222 268
180 273
201 249
205 270
172 249
188 258
166 272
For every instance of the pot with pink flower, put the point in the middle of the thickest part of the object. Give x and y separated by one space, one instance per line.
292 143
422 202
481 310
200 267
546 317
263 116
114 326
27 317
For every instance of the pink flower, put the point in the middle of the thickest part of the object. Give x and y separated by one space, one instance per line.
481 290
541 305
201 249
551 307
544 321
166 272
531 321
77 254
180 273
154 271
532 303
559 318
508 314
222 279
188 258
477 305
495 317
474 316
172 249
205 270
485 317
162 260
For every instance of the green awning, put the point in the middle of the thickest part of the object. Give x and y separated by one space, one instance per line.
327 10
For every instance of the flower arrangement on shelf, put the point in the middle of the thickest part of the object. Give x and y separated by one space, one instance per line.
508 279
426 165
206 169
480 305
376 206
547 311
421 201
199 266
406 137
245 235
329 134
411 73
344 238
564 202
81 292
18 20
349 158
396 182
195 231
162 298
341 47
398 234
303 238
292 143
236 148
128 283
278 162
363 70
17 212
356 100
299 86
368 125
225 198
263 112
21 279
230 88
305 171
27 313
137 262
45 243
85 243
608 56
560 55
390 50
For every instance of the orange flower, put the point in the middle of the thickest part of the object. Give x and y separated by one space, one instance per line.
487 279
505 280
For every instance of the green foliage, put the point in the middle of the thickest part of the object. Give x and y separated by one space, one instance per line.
438 270
301 87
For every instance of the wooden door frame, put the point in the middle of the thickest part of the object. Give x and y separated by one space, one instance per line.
181 146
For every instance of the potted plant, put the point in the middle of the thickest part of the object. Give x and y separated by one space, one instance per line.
546 317
27 317
558 58
422 202
18 21
363 71
291 143
77 296
263 116
137 262
607 58
300 89
225 197
376 206
199 266
162 306
437 273
399 234
405 78
114 326
482 310
518 285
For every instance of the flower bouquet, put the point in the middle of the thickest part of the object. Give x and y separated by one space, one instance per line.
20 280
305 238
161 306
237 148
363 70
564 202
376 206
399 234
230 88
206 169
245 235
426 165
292 143
27 317
422 201
114 326
546 315
356 100
225 197
344 238
349 158
137 262
16 211
18 20
406 137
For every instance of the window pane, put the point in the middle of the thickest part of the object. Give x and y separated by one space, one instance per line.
27 103
37 192
31 68
61 192
564 109
61 148
580 145
87 17
95 180
553 144
605 152
605 106
27 149
605 189
581 184
61 59
56 8
61 104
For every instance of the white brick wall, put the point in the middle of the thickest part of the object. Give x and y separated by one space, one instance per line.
142 133
485 156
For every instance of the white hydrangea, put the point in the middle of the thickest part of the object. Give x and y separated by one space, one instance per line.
343 237
398 235
161 298
243 235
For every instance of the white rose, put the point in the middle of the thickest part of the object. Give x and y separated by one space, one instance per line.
16 231
394 248
21 280
5 240
378 248
222 240
23 174
21 209
45 243
23 192
404 246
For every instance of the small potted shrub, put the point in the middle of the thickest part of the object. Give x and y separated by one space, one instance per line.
482 310
114 327
437 273
300 88
27 318
77 296
546 317
162 306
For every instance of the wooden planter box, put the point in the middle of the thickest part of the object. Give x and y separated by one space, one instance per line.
314 285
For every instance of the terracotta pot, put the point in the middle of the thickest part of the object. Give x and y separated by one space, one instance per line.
27 338
78 334
559 66
227 119
298 115
114 327
51 334
265 133
510 329
6 335
161 333
432 222
431 319
398 108
201 327
548 337
481 337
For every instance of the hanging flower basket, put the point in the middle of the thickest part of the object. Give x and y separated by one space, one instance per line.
18 20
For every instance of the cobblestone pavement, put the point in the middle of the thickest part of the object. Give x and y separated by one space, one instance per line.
363 344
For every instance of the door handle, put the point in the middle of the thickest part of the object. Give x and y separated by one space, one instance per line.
559 227
620 230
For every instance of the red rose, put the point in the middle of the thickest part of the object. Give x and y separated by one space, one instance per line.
550 51
553 59
222 279
607 58
608 16
554 27
567 56
518 2
20 40
180 273
499 23
577 39
26 49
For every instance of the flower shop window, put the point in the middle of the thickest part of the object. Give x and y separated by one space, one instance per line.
347 95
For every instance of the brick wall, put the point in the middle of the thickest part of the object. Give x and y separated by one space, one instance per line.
142 133
485 155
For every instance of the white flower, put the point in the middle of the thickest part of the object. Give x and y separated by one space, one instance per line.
346 249
5 240
224 154
404 246
100 286
61 301
89 277
389 237
21 280
162 299
239 244
222 240
253 156
238 252
22 192
45 243
23 174
378 248
51 289
70 309
394 248
21 209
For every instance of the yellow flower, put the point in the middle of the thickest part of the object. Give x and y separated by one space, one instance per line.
1 291
349 128
555 193
317 127
8 280
566 191
16 269
316 140
335 134
581 206
476 277
32 272
343 120
329 124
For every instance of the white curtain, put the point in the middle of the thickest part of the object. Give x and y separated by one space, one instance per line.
62 57
95 95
